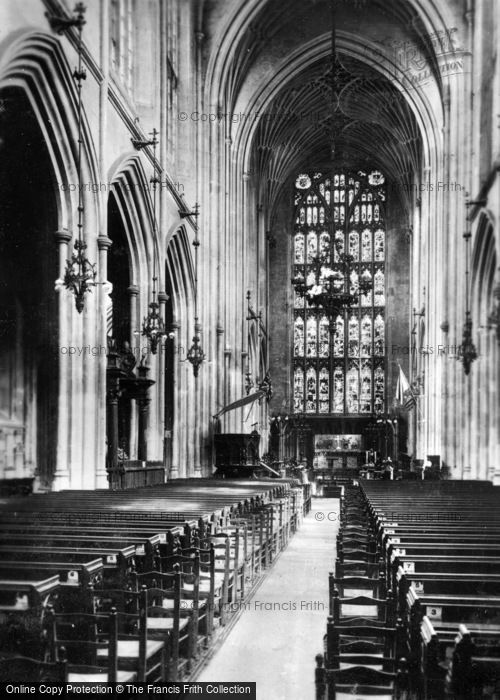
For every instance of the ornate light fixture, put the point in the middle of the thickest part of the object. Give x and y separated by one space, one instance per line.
332 287
266 386
195 354
330 284
80 273
153 326
468 354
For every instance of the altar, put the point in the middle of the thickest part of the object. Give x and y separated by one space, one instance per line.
338 452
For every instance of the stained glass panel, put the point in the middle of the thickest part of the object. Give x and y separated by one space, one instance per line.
379 245
354 283
324 390
366 336
299 248
311 390
379 336
338 390
299 301
379 379
339 243
338 339
354 245
312 336
324 337
353 390
298 390
353 336
298 342
366 388
312 246
379 289
366 245
324 246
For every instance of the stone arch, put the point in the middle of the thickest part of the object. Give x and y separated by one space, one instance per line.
34 66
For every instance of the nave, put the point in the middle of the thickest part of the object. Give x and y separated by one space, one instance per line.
244 239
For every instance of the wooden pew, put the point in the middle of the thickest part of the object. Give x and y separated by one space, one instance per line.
23 596
67 532
25 590
146 549
118 562
73 571
472 675
438 642
442 550
445 583
416 564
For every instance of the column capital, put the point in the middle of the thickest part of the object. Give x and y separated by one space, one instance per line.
103 242
133 290
63 236
162 297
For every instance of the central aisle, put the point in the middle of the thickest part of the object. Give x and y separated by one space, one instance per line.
281 627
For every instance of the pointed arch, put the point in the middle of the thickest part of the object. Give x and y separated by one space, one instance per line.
131 189
483 268
36 64
33 65
180 271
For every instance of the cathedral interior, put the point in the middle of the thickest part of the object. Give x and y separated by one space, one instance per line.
262 287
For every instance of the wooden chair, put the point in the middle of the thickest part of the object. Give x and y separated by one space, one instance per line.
376 661
375 611
168 616
360 540
22 669
376 639
186 561
79 635
357 585
360 681
205 564
365 555
359 568
106 642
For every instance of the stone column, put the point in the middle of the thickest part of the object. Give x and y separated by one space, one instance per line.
103 245
113 375
143 400
61 476
135 344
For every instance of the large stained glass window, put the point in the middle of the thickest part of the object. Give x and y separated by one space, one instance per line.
339 363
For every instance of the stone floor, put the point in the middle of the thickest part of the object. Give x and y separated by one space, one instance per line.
281 627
